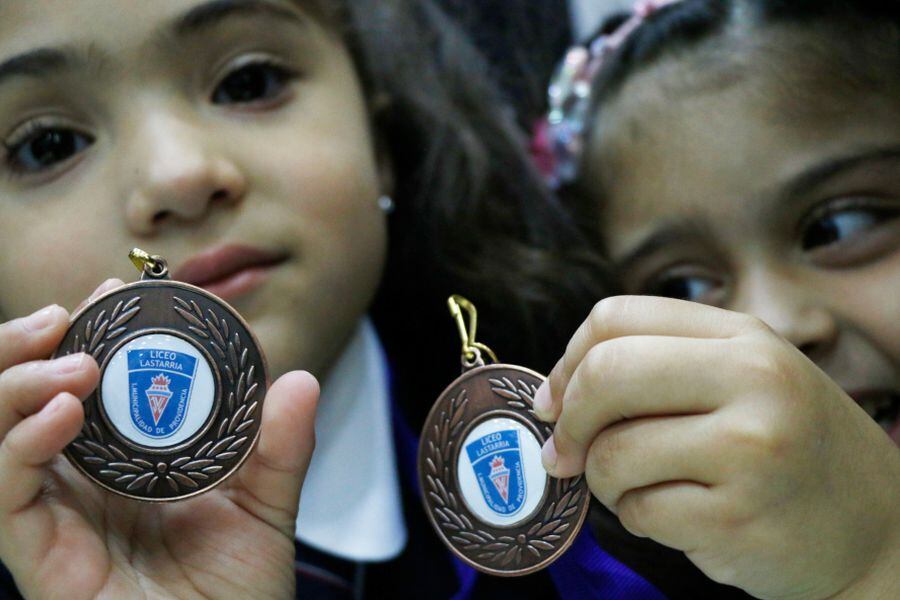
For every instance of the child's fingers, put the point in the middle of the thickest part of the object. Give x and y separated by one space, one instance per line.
269 484
644 452
30 445
26 388
544 407
630 377
636 315
107 286
33 337
671 513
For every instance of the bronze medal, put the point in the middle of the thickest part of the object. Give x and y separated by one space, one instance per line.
484 487
182 383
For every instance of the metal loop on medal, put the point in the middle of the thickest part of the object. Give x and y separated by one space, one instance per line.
158 270
151 267
471 358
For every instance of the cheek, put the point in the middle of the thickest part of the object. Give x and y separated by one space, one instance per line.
56 254
326 177
873 297
344 233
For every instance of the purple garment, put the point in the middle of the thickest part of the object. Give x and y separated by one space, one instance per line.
585 570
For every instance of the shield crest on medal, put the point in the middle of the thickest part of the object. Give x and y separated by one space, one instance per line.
496 459
160 383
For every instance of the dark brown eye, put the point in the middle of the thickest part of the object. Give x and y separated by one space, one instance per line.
251 83
842 225
43 148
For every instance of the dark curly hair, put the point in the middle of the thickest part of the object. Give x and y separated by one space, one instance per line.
473 216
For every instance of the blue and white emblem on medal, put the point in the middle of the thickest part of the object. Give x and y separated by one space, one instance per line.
497 461
160 384
500 474
157 390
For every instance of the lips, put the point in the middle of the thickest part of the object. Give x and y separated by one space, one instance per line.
229 271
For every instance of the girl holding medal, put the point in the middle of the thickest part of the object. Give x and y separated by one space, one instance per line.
745 157
307 162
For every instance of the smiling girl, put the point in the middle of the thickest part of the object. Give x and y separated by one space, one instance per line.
745 157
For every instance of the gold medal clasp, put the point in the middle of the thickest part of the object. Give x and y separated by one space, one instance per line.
471 350
150 266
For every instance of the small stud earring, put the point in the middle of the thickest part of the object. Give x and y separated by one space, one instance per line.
386 204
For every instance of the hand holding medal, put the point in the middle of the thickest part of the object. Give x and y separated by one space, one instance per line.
484 487
63 535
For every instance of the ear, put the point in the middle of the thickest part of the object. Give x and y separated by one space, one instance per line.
380 106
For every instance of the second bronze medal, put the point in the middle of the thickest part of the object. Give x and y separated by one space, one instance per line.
484 487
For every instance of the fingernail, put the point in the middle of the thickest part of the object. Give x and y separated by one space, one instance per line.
549 455
70 364
42 318
542 399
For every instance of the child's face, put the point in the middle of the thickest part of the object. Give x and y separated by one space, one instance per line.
184 127
768 194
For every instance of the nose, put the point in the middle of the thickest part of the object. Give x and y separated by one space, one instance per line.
180 173
792 307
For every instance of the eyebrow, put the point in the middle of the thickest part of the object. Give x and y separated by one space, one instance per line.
818 175
47 61
40 62
803 184
669 233
212 13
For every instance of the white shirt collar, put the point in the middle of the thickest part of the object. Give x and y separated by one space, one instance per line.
350 505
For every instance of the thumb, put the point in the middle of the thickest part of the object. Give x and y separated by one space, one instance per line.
268 485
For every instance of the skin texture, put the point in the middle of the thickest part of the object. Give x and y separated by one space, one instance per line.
723 427
173 158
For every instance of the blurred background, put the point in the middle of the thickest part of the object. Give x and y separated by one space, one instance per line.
587 15
525 39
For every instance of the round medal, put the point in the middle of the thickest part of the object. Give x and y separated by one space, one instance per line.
484 487
182 383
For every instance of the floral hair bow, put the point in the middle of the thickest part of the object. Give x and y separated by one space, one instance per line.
558 140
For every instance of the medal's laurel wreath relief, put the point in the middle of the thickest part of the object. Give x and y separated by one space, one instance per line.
498 551
183 474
